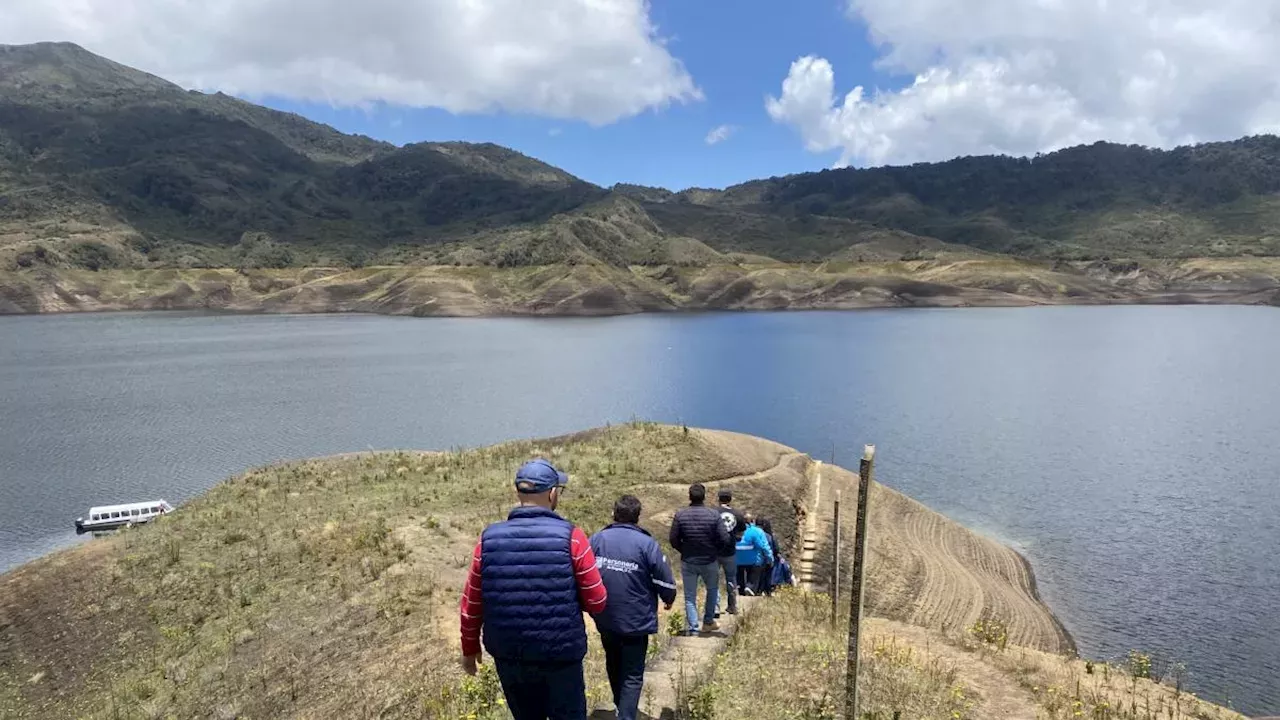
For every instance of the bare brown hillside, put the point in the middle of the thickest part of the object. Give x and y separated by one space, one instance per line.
594 288
927 570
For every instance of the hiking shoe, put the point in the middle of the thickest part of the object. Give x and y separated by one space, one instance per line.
731 611
748 592
711 627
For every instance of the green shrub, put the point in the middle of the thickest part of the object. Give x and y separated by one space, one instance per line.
91 256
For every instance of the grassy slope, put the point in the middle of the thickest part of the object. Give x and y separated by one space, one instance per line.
319 589
787 662
327 588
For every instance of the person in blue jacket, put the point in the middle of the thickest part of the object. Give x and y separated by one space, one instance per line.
636 575
753 554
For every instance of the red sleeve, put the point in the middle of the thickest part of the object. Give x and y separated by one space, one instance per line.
472 609
591 592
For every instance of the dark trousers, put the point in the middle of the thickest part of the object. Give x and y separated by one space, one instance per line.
749 577
543 690
624 658
730 566
766 581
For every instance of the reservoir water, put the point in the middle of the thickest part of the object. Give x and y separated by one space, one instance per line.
1132 453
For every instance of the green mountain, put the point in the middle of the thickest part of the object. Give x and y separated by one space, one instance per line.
186 175
103 166
1082 202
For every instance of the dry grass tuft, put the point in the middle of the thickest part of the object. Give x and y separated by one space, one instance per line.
1067 688
788 662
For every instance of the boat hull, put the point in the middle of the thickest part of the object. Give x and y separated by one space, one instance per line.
83 527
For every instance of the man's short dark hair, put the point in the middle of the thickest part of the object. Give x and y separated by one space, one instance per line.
697 494
725 495
627 510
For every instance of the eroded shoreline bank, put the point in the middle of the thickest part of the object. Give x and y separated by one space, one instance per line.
598 290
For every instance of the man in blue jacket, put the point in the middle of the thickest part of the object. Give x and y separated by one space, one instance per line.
635 575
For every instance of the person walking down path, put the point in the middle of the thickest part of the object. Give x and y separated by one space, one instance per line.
531 578
637 575
701 539
736 524
753 553
766 574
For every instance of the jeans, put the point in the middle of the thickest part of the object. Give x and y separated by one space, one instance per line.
543 690
709 573
730 567
624 658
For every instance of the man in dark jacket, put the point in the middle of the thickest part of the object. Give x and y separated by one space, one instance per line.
700 538
531 578
733 520
636 575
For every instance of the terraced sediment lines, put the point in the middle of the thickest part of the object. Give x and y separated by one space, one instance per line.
595 288
925 569
922 567
958 578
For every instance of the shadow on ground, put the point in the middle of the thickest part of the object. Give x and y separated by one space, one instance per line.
609 715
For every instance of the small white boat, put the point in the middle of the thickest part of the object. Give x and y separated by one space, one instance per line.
111 517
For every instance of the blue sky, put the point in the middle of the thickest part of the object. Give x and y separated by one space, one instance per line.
737 52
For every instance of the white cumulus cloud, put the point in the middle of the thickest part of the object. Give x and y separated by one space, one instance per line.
720 133
1022 76
593 60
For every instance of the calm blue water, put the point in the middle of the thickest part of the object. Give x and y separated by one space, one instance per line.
1132 453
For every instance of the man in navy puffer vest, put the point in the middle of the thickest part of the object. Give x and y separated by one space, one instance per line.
531 577
636 575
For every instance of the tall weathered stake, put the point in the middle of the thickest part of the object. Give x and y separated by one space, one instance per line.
835 572
855 596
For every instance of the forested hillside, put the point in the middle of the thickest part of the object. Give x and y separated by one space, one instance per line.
103 166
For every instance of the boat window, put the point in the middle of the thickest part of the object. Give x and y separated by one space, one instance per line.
93 517
115 514
146 511
155 509
136 512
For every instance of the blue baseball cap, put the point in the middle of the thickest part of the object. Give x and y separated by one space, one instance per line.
539 476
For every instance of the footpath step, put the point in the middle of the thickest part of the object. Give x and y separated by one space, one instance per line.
686 660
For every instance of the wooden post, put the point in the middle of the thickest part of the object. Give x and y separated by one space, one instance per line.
856 591
835 574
